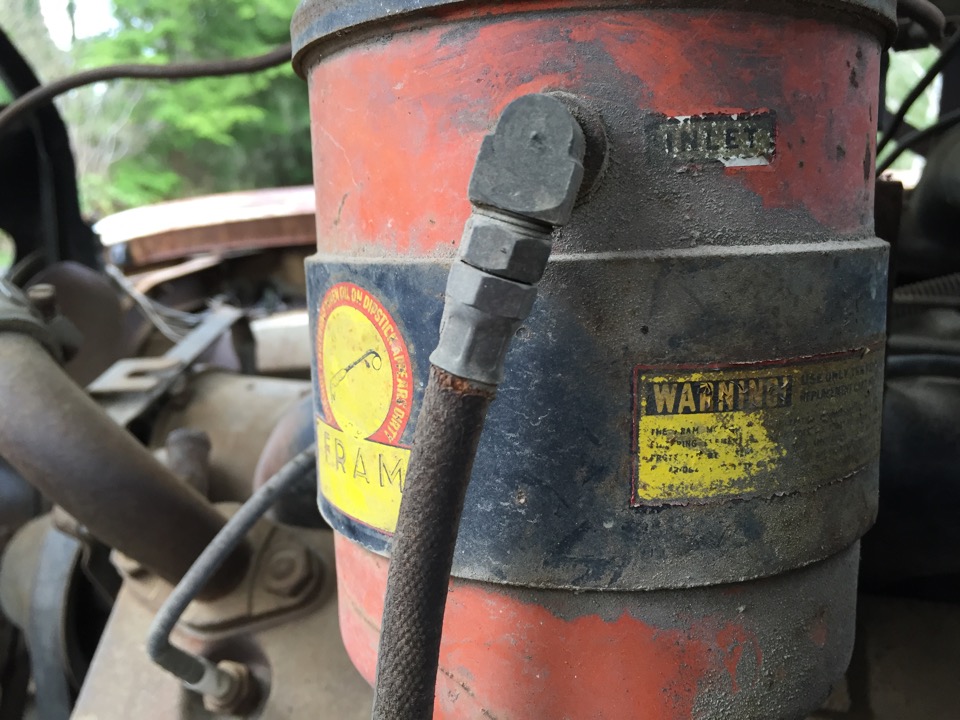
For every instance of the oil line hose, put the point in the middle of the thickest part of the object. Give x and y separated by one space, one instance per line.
524 185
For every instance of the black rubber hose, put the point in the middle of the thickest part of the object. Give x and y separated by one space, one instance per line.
939 287
908 344
941 62
444 445
134 71
198 672
926 15
899 366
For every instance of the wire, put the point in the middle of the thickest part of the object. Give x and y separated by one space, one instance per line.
196 672
176 71
926 15
935 69
173 324
942 125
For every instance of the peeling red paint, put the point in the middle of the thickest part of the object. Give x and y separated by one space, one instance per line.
513 659
396 126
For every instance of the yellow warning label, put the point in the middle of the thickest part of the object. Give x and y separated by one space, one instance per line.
364 378
754 429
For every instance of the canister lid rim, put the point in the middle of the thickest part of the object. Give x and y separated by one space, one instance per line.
322 21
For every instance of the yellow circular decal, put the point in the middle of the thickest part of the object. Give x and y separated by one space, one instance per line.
363 366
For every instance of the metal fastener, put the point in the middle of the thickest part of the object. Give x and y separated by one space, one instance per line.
506 246
244 692
289 571
43 297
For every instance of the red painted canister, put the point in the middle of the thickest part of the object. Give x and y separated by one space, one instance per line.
664 514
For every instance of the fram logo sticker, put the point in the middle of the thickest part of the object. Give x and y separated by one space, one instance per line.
364 377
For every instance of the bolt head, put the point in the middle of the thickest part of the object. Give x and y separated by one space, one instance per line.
289 571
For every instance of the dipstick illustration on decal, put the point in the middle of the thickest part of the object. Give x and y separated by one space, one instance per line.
375 362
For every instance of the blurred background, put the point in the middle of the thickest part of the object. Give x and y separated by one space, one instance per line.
143 142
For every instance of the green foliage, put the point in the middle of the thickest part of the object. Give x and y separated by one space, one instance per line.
205 135
906 69
8 251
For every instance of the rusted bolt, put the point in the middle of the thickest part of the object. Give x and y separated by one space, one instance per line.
244 695
289 571
43 297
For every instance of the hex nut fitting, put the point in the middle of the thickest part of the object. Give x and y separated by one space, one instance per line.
290 571
245 692
510 249
480 316
525 182
488 293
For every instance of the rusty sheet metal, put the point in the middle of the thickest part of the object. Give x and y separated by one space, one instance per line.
219 224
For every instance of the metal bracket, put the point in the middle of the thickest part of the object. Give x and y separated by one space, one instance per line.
133 375
130 387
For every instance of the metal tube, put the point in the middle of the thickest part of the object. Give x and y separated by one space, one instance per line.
62 442
195 671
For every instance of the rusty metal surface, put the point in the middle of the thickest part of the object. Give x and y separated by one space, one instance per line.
70 449
302 659
729 240
706 266
229 222
238 413
764 650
